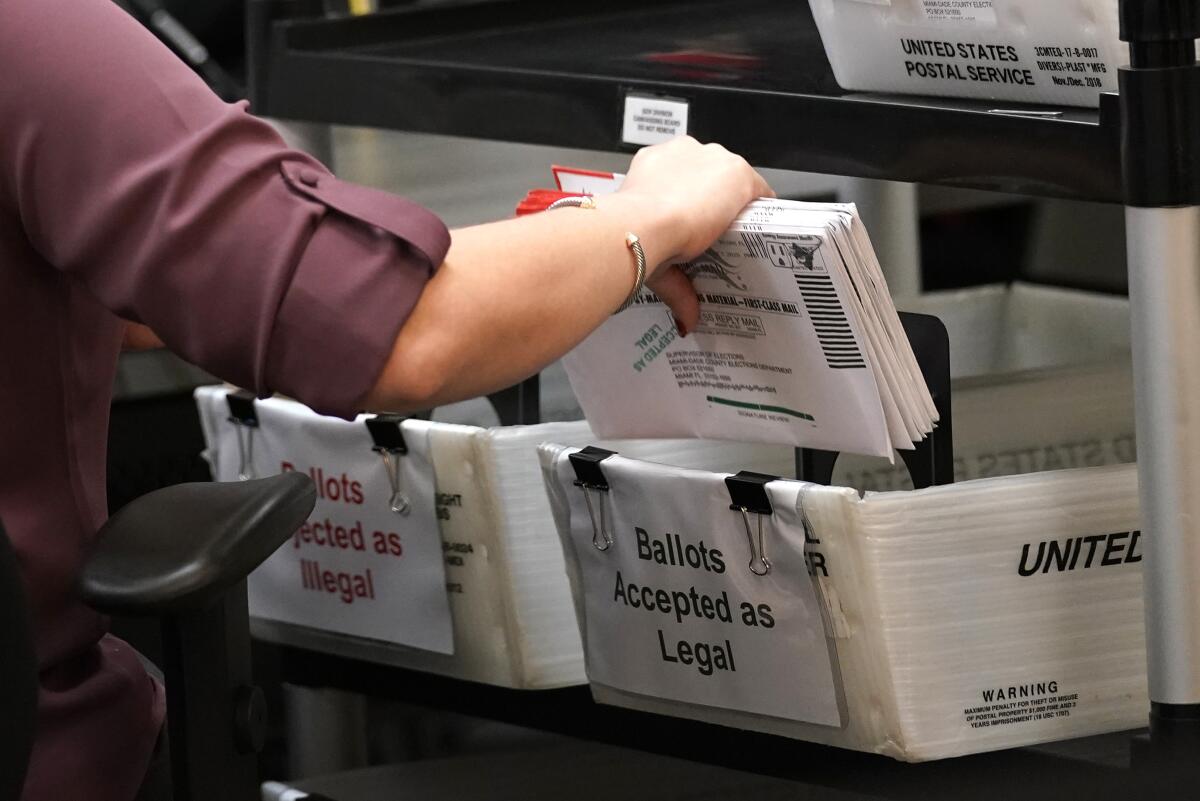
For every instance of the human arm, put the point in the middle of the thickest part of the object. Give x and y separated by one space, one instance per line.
513 296
130 184
187 215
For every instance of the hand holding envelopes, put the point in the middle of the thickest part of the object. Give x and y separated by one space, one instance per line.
798 343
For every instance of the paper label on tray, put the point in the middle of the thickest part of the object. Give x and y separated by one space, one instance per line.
650 120
672 609
978 12
356 567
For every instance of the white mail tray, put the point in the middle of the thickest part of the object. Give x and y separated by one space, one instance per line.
989 614
510 603
509 600
1024 51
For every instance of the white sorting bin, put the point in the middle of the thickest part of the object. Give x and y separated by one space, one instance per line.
926 605
509 600
988 614
513 624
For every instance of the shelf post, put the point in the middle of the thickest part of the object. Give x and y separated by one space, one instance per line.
891 212
1160 159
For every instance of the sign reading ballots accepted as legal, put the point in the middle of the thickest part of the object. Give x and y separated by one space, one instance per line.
672 609
356 567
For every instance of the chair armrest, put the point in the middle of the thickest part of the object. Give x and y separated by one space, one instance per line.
178 549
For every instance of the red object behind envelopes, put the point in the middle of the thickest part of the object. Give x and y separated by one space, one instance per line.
540 199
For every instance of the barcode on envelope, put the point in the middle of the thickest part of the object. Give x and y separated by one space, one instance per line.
755 245
829 321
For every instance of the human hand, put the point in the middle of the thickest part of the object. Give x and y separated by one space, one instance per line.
688 194
697 191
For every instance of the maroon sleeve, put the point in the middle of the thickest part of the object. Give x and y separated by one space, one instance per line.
189 215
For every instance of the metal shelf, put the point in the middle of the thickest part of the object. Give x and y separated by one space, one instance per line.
1094 768
756 78
557 73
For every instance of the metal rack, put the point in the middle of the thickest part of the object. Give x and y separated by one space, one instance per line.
557 74
546 72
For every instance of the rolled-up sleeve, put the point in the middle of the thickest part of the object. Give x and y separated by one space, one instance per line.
189 215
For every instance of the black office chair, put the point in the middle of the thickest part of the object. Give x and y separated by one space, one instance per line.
18 675
181 554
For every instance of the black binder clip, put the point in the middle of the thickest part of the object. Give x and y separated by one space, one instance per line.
931 461
748 495
243 415
590 477
388 437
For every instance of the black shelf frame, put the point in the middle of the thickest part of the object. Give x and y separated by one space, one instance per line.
1096 768
470 68
412 69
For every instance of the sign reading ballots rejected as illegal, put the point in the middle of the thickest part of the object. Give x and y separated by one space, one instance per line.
356 567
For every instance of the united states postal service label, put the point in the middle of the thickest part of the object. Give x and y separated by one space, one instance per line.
672 609
356 567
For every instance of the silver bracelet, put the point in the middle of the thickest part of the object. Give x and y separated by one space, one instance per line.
631 241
